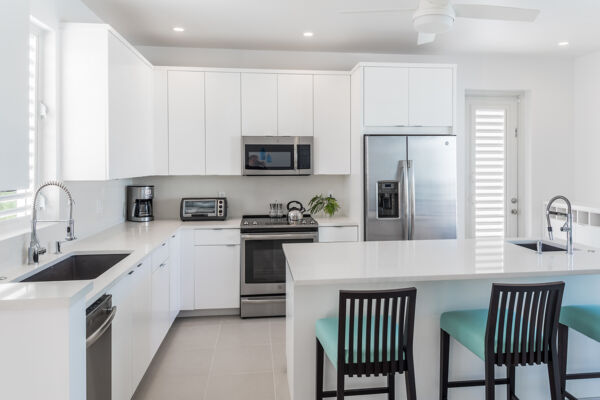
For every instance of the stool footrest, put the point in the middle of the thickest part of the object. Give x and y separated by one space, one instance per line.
570 396
356 392
476 382
584 375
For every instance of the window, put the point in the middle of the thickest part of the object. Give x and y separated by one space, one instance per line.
494 200
17 203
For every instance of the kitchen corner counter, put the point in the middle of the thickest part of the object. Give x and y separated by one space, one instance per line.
336 221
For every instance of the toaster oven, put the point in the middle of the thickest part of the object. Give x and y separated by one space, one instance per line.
203 209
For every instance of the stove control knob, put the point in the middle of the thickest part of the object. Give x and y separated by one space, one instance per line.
304 222
254 223
313 222
245 222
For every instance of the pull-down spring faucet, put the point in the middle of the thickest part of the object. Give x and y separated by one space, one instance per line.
35 249
567 227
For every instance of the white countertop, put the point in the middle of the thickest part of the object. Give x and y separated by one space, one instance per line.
336 221
138 238
429 260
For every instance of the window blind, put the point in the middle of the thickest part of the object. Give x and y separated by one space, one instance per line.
489 171
17 203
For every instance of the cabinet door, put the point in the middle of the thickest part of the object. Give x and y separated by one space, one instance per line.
332 124
217 277
431 96
160 305
186 123
295 105
386 96
259 104
141 321
122 333
175 277
223 131
328 234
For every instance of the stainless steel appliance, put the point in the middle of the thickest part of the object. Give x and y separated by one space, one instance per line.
203 209
139 203
263 262
277 155
99 317
409 187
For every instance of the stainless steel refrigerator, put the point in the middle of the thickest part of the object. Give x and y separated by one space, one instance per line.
410 187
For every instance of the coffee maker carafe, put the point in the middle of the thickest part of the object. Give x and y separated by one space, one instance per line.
139 203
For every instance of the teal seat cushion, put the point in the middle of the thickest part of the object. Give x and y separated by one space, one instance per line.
327 334
584 319
468 328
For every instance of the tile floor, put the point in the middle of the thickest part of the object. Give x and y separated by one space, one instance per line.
219 358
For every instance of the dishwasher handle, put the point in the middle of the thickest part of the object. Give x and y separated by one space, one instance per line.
93 338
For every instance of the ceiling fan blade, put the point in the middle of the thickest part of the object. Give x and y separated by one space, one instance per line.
377 11
425 38
480 11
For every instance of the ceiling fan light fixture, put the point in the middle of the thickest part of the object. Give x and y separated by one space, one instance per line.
564 43
433 23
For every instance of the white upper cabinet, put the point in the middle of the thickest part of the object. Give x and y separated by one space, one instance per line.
107 107
295 105
186 123
332 124
386 96
223 131
259 104
431 97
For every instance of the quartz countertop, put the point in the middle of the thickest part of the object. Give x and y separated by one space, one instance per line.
138 238
429 260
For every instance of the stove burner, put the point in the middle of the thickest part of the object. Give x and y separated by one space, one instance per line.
266 222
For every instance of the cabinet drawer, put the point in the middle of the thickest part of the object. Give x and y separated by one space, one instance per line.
160 255
208 237
338 234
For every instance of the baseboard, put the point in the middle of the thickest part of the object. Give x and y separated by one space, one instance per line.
208 313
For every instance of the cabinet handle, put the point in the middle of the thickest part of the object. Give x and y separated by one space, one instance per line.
162 265
130 272
140 264
164 244
173 236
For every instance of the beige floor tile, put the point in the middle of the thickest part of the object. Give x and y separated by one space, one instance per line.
282 391
279 359
255 386
244 333
192 336
181 361
239 360
277 327
171 387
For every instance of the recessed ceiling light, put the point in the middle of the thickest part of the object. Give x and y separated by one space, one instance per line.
308 34
178 29
563 43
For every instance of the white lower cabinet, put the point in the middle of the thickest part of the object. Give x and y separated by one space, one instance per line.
329 234
175 276
217 276
160 308
122 334
141 318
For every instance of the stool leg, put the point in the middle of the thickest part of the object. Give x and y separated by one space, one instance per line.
444 362
554 377
490 384
563 346
320 361
391 386
340 383
511 387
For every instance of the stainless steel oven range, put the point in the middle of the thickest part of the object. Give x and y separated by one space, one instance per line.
263 262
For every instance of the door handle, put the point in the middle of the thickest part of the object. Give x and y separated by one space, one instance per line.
411 205
405 199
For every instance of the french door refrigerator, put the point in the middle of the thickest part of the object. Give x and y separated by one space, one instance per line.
410 187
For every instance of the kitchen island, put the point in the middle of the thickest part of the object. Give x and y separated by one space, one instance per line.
449 275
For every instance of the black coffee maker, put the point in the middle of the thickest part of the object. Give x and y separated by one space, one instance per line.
139 203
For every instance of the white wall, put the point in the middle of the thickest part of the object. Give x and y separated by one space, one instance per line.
245 194
586 130
547 84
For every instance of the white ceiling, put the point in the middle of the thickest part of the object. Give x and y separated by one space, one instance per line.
279 24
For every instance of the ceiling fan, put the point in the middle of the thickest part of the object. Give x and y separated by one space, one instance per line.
437 16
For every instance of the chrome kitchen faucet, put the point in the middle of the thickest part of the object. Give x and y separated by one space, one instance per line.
568 225
35 249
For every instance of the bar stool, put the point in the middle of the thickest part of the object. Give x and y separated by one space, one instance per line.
583 319
520 328
372 336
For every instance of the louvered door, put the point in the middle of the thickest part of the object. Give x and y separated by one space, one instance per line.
493 166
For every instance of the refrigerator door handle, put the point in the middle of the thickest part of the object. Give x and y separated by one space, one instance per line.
404 185
411 201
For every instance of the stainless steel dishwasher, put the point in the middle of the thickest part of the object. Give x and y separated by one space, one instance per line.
99 317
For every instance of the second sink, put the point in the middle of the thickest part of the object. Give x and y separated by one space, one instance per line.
77 267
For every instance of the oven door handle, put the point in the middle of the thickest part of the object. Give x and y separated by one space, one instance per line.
280 236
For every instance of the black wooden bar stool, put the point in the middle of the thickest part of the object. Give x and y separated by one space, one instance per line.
372 336
520 328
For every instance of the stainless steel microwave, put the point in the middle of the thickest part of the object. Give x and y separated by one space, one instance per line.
277 155
203 209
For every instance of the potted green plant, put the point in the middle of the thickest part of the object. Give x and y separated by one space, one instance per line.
326 204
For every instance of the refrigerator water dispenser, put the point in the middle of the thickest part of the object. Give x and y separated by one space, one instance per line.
387 199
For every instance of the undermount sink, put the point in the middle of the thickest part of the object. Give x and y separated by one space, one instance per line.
77 267
532 245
